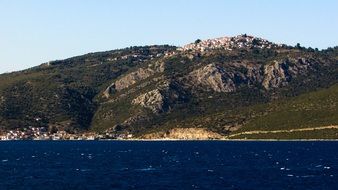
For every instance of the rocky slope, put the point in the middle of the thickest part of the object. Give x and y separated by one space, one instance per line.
220 85
184 134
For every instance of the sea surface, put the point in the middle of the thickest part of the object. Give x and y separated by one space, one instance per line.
168 165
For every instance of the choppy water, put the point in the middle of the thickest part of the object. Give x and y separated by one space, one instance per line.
168 165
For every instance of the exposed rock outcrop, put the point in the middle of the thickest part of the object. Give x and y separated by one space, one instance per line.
184 133
163 98
214 78
269 76
152 100
109 90
132 78
128 80
279 74
275 75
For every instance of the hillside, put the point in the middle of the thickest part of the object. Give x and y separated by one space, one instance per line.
226 86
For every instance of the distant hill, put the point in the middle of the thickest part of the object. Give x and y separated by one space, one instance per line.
227 86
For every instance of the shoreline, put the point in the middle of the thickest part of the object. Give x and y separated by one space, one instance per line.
183 140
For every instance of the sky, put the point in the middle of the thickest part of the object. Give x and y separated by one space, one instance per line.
36 31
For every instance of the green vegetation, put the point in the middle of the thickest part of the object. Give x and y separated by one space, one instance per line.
315 134
198 41
313 109
68 94
65 91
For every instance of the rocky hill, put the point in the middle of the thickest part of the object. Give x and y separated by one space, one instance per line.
219 86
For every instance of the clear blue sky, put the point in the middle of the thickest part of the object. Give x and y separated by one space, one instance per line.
36 31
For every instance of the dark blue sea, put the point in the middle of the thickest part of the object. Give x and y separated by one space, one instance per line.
168 165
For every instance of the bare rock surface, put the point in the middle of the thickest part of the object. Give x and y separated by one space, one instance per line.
132 78
214 78
152 100
280 73
274 76
128 80
185 133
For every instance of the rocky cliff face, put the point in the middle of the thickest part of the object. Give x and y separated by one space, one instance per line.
212 77
134 77
275 75
279 74
228 79
128 80
153 100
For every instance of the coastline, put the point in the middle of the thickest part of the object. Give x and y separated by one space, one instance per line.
229 140
182 140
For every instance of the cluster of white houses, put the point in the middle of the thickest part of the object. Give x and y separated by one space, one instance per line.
229 43
140 57
41 133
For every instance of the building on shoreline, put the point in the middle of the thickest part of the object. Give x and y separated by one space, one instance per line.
41 133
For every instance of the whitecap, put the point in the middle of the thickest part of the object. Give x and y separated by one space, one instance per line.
305 176
4 160
146 169
150 168
194 186
290 175
327 167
